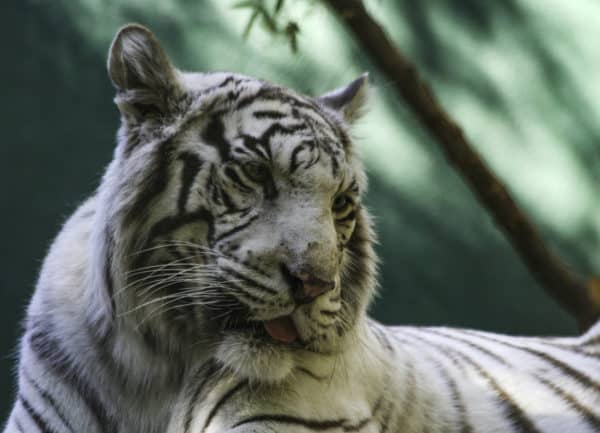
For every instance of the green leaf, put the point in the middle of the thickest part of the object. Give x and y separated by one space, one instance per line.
250 23
269 21
278 7
245 4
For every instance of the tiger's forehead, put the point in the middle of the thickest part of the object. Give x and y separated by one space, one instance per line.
251 119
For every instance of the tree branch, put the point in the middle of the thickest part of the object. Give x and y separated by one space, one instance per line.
577 296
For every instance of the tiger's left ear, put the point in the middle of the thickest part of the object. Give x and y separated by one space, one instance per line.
142 73
350 100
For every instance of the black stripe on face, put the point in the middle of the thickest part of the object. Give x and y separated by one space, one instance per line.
249 281
191 167
228 395
50 352
236 229
214 135
244 293
294 163
257 147
35 416
269 114
238 182
351 216
170 224
155 183
279 129
48 400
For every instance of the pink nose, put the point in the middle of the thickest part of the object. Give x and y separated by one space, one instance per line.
310 287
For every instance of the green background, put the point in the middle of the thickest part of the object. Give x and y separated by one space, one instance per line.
520 77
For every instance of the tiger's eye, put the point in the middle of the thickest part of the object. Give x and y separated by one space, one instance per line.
340 202
256 171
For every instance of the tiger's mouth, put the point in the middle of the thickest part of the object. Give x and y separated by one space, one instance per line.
281 329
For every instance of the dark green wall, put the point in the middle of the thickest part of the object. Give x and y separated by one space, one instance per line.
443 261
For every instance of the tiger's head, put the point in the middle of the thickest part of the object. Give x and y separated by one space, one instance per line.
232 214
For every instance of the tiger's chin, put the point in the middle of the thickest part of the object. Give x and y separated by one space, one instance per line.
257 359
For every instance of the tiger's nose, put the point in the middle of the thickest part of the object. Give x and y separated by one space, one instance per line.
306 286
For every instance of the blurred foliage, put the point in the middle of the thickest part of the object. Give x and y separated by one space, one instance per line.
517 74
269 13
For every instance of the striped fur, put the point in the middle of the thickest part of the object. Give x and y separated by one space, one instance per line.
409 380
151 309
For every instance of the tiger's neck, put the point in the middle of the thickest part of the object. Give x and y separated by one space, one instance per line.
73 336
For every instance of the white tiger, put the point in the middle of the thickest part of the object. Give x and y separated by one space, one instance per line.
219 278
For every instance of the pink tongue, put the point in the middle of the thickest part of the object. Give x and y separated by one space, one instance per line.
282 329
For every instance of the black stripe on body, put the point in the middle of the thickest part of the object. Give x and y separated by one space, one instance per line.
593 341
49 351
18 424
108 277
511 408
191 167
228 395
513 411
133 140
566 369
468 343
579 350
206 374
590 417
458 402
381 335
384 424
35 416
49 401
310 374
317 425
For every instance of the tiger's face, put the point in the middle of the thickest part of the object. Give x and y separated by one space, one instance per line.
239 206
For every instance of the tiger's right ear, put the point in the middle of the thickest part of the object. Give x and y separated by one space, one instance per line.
139 68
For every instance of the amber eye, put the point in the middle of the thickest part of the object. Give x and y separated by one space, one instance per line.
341 202
256 171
